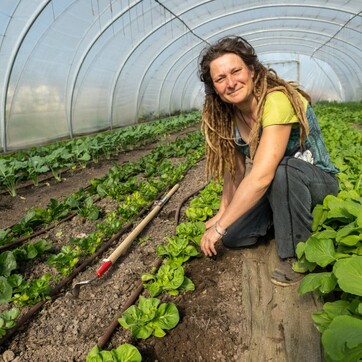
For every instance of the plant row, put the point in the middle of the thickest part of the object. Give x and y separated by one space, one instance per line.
150 317
333 254
57 157
135 195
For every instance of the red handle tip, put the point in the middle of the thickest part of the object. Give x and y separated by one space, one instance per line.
104 267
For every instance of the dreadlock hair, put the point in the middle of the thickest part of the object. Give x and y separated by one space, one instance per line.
217 116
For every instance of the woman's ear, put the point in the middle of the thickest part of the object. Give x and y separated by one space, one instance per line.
252 72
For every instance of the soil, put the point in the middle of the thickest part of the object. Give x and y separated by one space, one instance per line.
235 313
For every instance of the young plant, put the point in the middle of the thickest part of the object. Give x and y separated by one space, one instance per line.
177 250
36 166
150 318
10 174
7 320
169 278
191 230
124 353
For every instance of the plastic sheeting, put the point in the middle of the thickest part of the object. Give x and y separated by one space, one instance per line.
70 67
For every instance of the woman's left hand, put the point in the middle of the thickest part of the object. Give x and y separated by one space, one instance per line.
208 241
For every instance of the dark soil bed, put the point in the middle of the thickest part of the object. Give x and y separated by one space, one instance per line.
235 313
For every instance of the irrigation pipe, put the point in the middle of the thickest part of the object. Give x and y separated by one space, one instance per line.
39 232
102 341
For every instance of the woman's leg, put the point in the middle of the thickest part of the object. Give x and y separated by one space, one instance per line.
297 187
249 228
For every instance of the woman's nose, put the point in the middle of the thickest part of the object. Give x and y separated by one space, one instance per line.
230 81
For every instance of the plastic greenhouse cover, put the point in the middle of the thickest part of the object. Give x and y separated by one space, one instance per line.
70 67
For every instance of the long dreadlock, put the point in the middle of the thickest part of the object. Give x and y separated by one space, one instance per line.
217 116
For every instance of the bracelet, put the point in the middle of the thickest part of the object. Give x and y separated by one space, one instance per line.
217 231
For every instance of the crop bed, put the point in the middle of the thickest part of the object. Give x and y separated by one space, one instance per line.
234 312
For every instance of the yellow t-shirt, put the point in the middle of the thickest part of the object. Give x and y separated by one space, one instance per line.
279 110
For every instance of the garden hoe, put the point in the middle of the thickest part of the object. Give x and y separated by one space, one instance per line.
107 263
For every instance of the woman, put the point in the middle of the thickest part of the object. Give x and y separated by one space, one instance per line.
250 112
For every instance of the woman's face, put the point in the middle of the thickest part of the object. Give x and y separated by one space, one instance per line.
233 80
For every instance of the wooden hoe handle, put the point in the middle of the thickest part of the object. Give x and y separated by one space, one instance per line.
126 243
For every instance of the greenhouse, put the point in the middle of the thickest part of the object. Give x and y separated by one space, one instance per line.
120 188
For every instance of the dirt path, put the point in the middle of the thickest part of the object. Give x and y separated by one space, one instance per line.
235 313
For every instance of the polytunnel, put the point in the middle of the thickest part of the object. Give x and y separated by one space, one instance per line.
72 67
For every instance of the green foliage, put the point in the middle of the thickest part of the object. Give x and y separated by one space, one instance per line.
191 230
169 278
177 250
32 292
7 320
150 318
65 260
342 340
334 251
124 353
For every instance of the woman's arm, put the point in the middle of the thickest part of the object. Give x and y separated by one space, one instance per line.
270 152
230 186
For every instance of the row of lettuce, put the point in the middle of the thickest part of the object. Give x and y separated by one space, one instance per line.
132 186
77 153
150 316
332 256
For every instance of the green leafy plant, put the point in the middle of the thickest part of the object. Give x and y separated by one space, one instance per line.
7 320
32 292
177 250
191 230
36 166
150 318
124 353
169 278
65 260
10 174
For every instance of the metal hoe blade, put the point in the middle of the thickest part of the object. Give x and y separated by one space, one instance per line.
76 288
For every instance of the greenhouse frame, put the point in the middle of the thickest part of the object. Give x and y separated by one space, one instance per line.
180 181
72 67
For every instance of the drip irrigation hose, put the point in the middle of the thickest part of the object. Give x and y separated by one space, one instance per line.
39 232
178 211
102 341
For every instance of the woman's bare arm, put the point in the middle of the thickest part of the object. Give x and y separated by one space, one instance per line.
251 189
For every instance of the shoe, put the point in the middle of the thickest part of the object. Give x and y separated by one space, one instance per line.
283 275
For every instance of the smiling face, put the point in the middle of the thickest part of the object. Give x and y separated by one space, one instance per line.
232 79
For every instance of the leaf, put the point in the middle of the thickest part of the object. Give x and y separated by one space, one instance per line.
319 216
167 316
350 240
349 274
320 251
324 282
127 353
7 263
6 290
342 340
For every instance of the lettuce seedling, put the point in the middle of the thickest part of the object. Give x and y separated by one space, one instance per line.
150 318
177 250
124 353
170 278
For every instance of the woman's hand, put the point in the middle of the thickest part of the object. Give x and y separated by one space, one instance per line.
208 241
